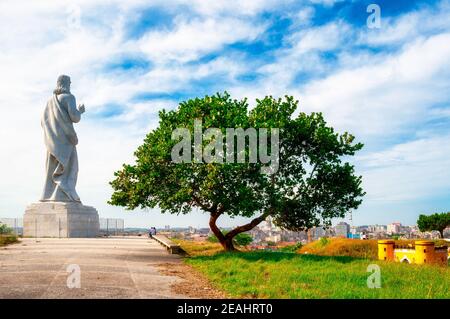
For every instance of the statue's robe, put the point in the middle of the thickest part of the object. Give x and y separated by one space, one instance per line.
61 140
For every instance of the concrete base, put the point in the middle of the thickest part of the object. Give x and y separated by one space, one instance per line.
60 219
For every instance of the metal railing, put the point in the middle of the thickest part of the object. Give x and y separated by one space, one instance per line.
111 226
108 226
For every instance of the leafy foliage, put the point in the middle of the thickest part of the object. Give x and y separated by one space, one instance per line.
241 239
434 222
6 235
213 239
4 229
311 186
8 239
291 248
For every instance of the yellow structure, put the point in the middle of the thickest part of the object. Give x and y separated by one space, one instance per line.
423 252
386 249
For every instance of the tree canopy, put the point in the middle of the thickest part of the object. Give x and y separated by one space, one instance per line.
438 221
309 184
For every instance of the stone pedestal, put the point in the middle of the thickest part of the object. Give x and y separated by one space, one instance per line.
60 219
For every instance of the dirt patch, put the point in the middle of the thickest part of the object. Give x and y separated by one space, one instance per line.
194 284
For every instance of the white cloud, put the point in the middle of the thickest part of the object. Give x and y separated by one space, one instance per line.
388 96
321 38
409 170
301 53
248 7
325 2
192 39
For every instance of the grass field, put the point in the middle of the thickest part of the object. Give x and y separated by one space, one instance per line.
290 275
342 247
195 248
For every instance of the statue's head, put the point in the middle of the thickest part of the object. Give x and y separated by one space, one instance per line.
62 84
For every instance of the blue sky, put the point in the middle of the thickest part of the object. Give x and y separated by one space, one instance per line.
128 60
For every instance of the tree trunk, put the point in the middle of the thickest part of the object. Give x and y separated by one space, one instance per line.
227 243
227 240
441 231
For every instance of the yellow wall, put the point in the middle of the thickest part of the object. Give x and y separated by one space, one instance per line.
423 253
386 250
405 255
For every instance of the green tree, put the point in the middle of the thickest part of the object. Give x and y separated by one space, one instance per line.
242 239
4 229
291 248
212 239
311 186
434 222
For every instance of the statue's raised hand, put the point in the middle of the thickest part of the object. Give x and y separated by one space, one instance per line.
81 108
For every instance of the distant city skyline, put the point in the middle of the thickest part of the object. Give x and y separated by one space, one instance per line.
144 221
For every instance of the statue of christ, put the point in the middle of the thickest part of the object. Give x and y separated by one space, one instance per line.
61 140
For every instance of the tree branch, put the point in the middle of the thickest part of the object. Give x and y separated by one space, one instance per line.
249 226
203 206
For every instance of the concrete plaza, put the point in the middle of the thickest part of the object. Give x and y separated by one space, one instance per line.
116 267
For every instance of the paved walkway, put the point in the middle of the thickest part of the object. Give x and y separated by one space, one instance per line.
117 267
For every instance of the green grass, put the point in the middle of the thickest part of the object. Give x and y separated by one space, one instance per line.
193 248
8 239
288 275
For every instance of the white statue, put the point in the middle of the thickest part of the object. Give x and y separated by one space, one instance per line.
60 213
61 140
